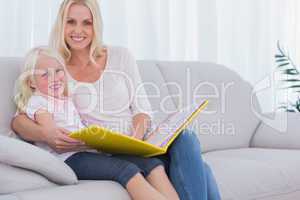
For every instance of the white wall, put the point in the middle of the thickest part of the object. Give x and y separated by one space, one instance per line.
240 34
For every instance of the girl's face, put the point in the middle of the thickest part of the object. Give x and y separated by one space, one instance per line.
79 30
49 77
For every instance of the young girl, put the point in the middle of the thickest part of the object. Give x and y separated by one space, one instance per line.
42 95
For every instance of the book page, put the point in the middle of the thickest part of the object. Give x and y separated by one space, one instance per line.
167 128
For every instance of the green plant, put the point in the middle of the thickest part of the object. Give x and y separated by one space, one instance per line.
290 79
297 105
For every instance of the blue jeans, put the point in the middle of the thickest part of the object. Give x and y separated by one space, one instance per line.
191 177
119 168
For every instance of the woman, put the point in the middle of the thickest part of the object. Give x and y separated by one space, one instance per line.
94 76
42 95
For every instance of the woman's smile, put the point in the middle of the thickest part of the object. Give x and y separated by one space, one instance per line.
79 30
78 38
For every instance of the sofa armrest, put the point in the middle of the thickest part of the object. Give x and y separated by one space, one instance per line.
282 131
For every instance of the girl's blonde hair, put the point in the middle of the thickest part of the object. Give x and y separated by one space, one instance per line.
57 40
23 89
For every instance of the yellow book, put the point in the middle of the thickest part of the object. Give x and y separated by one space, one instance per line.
156 142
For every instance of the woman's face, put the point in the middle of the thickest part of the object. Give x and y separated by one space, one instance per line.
79 30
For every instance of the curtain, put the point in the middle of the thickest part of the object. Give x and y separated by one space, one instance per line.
25 24
240 34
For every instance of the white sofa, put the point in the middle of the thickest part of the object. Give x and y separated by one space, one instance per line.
249 159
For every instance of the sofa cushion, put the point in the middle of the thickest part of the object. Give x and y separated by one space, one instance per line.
14 179
84 190
21 154
228 121
253 173
285 136
157 91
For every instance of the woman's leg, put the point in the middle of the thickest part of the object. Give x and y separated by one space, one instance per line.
154 171
186 168
95 166
212 188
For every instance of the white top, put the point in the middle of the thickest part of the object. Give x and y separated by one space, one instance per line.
64 114
115 97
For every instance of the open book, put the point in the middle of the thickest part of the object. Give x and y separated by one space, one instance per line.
156 142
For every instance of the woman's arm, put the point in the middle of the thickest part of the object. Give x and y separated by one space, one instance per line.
28 129
56 138
140 105
140 122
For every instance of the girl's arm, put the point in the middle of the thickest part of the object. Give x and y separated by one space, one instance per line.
140 123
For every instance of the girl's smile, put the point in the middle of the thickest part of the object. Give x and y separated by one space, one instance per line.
49 77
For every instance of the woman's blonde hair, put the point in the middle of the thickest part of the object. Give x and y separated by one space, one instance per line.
57 39
23 90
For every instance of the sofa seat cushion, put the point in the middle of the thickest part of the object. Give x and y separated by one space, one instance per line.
254 173
8 197
83 190
14 179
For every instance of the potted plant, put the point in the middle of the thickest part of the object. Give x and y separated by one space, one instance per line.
289 81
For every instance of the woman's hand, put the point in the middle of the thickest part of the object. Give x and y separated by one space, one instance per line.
59 140
140 123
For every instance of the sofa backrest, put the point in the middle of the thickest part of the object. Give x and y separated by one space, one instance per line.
281 133
156 89
10 68
228 121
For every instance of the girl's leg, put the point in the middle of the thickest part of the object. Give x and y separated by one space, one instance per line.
140 189
95 166
186 168
160 181
153 170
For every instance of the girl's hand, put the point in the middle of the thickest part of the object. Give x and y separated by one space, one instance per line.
59 140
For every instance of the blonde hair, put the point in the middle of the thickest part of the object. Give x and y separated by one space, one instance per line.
23 89
57 40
